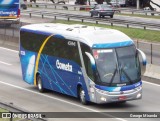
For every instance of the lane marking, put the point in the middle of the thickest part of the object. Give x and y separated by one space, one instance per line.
151 83
90 109
9 49
8 64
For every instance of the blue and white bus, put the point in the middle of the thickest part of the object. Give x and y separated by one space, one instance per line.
94 64
9 11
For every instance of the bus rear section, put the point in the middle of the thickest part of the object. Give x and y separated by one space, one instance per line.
9 12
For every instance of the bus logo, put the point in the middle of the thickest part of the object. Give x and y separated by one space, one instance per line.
71 43
63 66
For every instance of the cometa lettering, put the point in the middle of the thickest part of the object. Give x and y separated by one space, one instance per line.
8 12
63 66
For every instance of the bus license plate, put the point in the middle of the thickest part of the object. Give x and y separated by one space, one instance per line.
122 98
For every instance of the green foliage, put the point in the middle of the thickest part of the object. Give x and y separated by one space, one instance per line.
134 33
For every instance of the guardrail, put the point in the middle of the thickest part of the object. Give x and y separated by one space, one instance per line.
152 50
82 18
88 7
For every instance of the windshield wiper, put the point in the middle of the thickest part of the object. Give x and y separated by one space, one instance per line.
122 70
113 77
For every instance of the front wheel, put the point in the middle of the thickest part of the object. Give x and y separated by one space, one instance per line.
39 84
99 15
91 14
111 16
82 96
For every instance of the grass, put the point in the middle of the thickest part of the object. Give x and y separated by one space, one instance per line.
3 110
139 15
134 33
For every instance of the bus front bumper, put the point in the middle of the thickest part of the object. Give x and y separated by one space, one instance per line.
9 21
108 97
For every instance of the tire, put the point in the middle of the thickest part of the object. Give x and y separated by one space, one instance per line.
91 15
99 15
39 84
122 102
82 96
111 16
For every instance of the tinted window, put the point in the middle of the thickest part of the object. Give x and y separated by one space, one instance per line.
31 41
6 6
62 48
87 63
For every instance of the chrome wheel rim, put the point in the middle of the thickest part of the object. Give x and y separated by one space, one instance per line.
82 95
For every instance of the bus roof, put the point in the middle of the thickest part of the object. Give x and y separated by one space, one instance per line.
95 37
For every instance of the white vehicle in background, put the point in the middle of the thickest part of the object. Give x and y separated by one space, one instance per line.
121 3
23 4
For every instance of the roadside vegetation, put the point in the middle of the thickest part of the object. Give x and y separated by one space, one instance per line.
134 33
3 110
139 15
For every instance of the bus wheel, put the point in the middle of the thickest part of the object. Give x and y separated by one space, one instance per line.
82 96
39 84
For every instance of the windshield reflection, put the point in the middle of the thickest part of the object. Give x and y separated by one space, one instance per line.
119 66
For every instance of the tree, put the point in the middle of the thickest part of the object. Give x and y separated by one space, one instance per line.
81 2
146 3
107 1
155 3
99 1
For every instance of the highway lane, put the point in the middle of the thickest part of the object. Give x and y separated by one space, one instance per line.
144 46
86 13
13 89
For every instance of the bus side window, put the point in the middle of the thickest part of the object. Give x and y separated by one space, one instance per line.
31 41
87 63
59 47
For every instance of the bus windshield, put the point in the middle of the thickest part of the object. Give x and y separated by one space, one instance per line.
118 66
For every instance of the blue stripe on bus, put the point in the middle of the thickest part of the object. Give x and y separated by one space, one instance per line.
123 88
112 45
42 33
36 32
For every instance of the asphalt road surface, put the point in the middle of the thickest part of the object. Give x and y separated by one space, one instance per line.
14 89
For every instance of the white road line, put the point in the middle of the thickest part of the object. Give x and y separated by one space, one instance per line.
151 83
90 109
9 49
8 64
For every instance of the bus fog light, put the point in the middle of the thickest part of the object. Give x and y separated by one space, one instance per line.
103 99
139 95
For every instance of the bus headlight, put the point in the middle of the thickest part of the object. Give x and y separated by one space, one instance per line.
103 99
139 95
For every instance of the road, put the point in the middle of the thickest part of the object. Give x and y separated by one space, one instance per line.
144 46
13 89
86 13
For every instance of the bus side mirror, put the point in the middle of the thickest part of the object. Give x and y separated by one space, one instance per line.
93 63
143 61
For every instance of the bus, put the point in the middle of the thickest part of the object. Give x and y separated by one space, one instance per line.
9 12
91 63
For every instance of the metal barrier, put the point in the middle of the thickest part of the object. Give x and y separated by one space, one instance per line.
10 37
49 4
113 21
152 51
